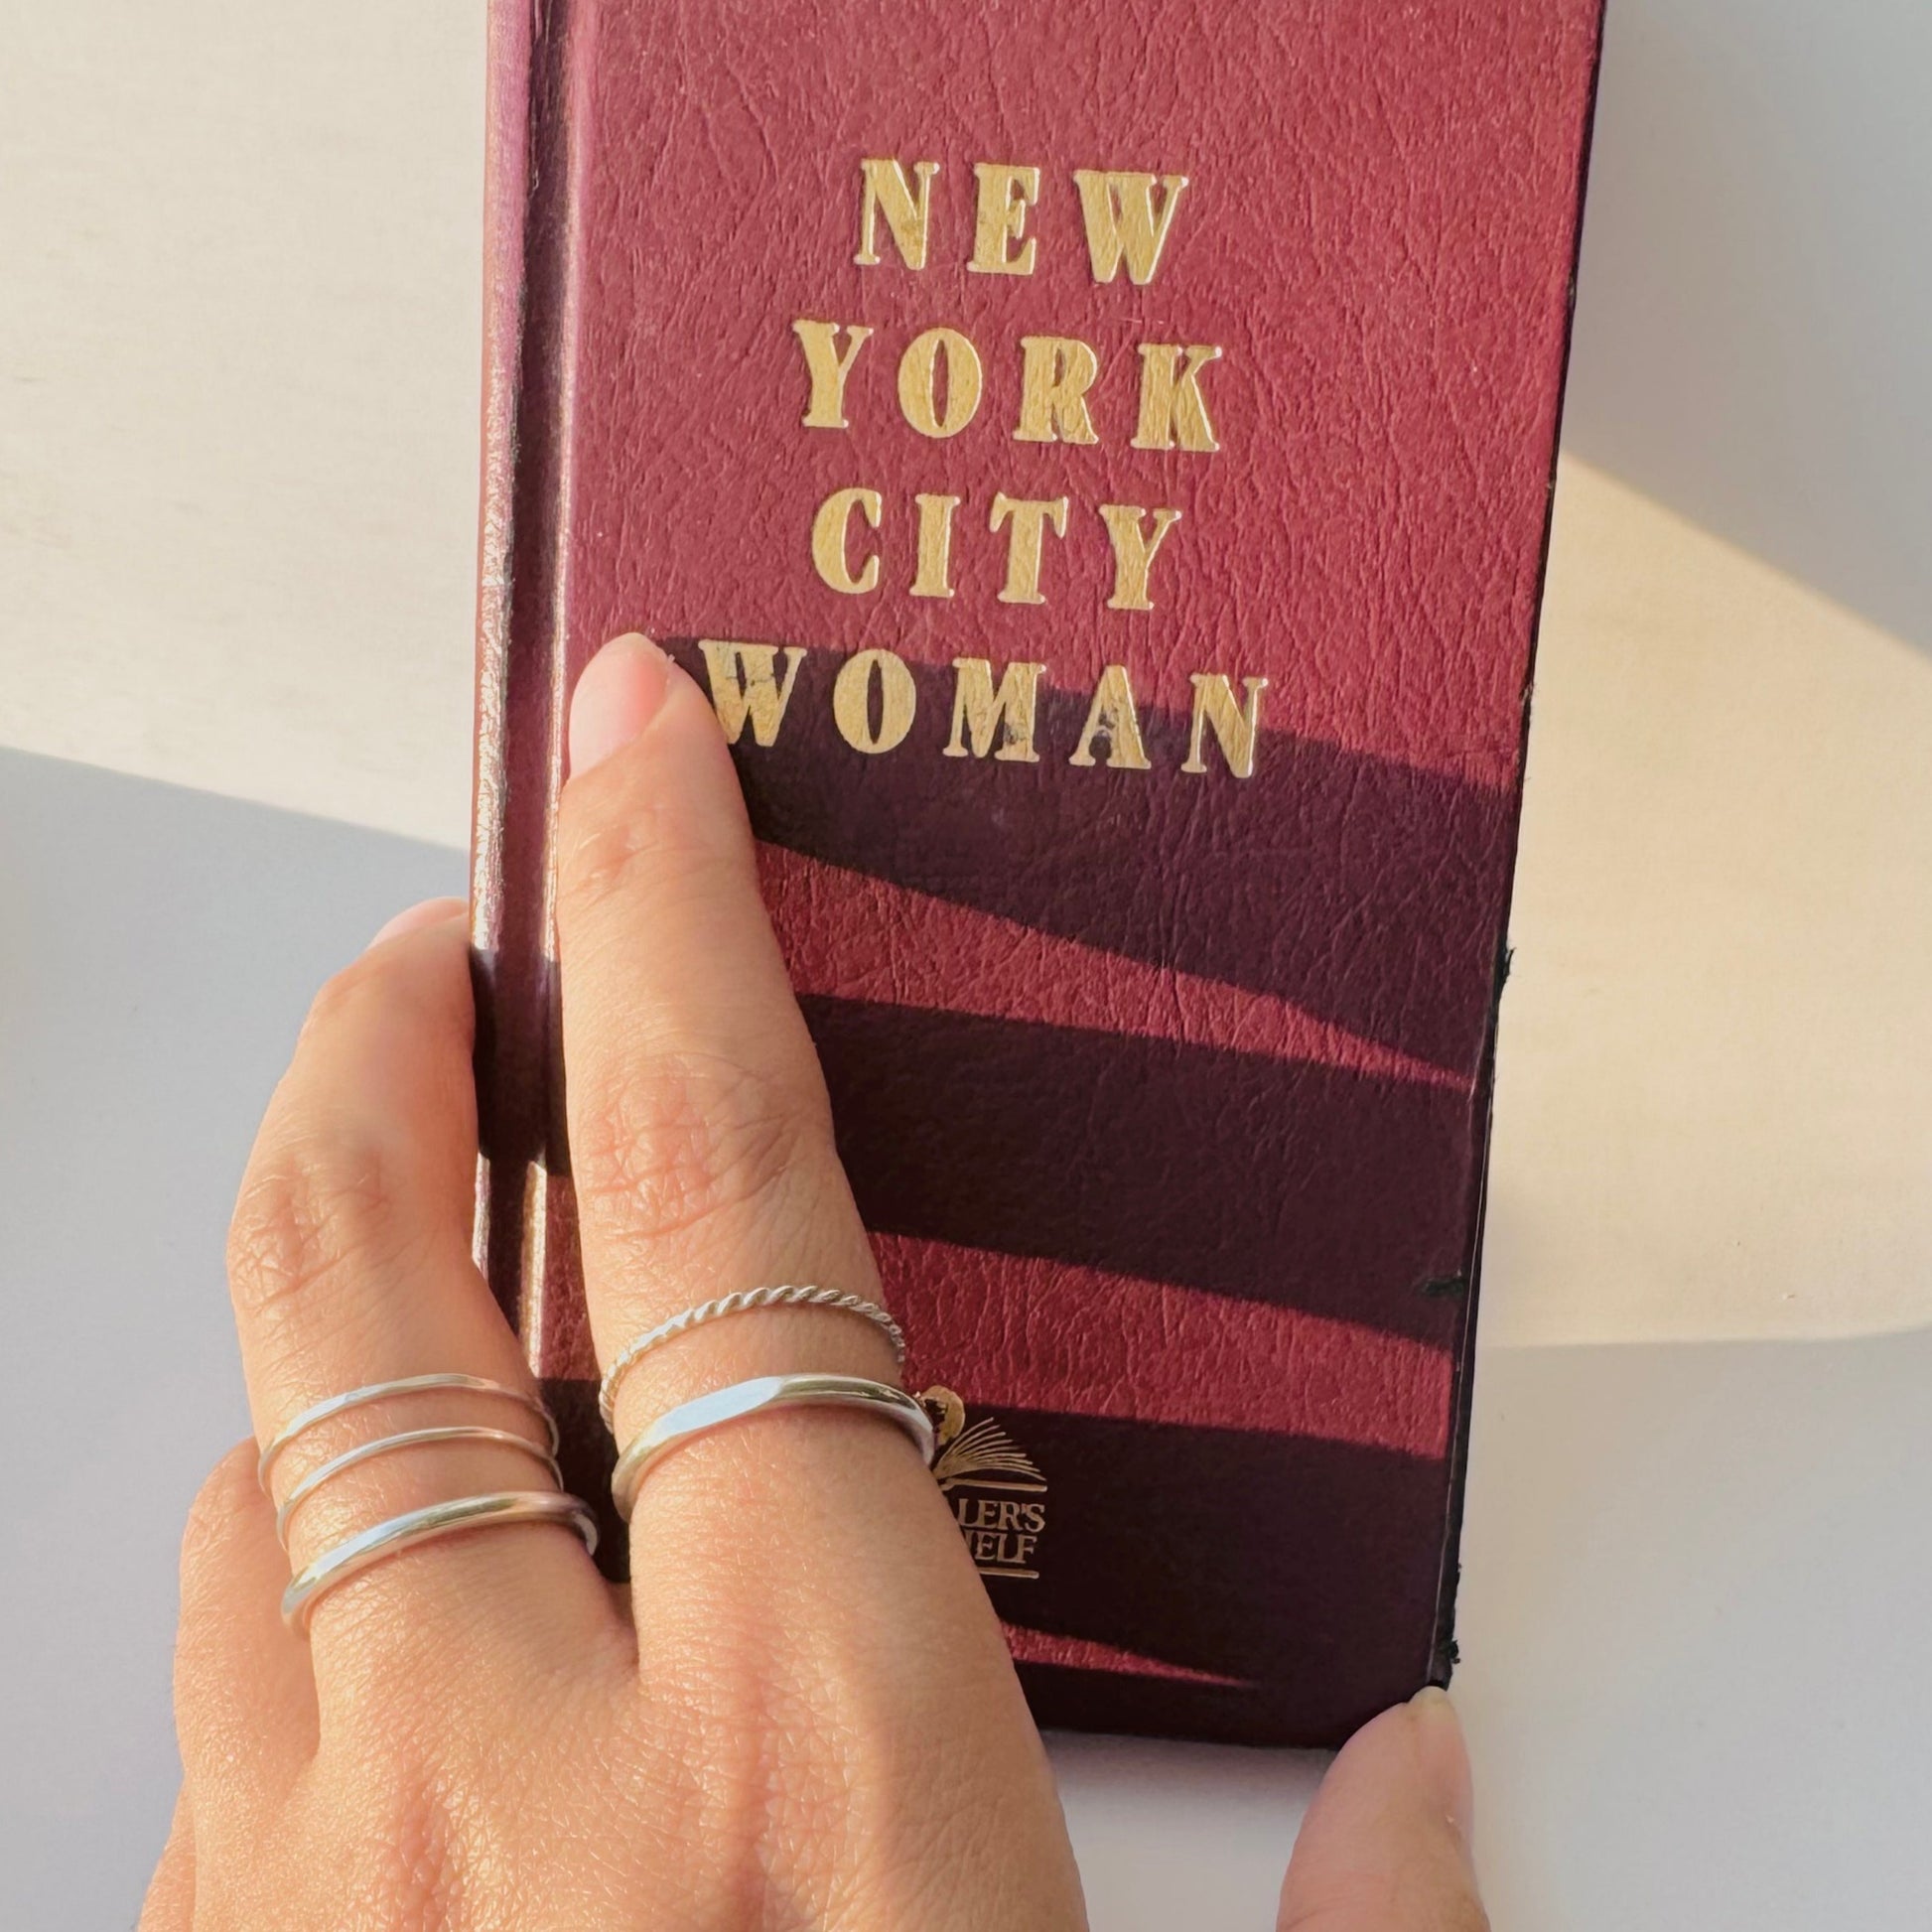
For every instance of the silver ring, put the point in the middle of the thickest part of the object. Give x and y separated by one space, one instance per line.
409 1439
335 1404
796 1294
678 1425
357 1553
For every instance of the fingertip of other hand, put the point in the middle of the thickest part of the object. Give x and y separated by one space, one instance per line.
1386 1845
1414 1753
1442 1758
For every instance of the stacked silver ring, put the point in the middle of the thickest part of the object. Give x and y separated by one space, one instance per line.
761 1394
742 1300
357 1552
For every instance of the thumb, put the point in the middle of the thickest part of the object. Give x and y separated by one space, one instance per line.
1385 1847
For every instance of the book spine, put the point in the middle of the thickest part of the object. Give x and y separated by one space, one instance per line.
524 1243
507 180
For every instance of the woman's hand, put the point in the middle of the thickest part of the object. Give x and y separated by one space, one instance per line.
801 1714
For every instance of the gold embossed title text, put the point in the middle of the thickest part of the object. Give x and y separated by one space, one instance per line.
857 548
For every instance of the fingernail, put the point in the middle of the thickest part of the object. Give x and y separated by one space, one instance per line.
432 912
1444 1759
616 696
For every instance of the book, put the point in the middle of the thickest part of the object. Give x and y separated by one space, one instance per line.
1099 460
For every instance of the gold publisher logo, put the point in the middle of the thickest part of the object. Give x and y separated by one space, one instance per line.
993 1487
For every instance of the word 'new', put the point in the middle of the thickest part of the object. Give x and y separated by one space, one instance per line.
1126 215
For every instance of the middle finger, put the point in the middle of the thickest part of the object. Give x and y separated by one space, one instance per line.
350 1265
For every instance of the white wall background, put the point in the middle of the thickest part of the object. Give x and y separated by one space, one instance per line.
1754 340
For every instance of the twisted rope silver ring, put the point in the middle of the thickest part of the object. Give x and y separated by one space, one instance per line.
740 1302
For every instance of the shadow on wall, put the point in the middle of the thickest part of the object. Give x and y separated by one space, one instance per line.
1754 308
1710 1115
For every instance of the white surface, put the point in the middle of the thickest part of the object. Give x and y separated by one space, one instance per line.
237 403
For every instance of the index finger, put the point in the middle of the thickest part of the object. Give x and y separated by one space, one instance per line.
350 1268
703 1161
702 1152
808 1619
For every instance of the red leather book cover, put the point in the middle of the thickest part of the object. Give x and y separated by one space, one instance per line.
1099 460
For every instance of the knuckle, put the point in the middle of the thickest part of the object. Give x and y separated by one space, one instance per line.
422 1873
636 843
309 1211
411 1870
660 1150
435 1798
225 1495
603 853
427 991
344 993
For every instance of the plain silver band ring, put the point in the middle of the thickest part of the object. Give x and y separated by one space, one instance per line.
357 1553
742 1300
704 1412
335 1404
410 1439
